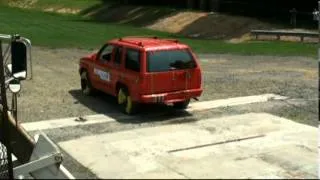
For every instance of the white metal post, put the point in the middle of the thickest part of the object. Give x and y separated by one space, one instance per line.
319 64
318 18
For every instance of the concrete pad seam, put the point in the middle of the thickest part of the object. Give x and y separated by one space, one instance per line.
173 170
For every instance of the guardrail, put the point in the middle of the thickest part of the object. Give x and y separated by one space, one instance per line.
279 33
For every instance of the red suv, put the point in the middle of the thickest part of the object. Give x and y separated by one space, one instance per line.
143 70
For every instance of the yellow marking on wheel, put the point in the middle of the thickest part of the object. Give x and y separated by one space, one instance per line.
129 105
121 97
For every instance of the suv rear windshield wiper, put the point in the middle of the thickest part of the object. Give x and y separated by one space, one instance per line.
178 64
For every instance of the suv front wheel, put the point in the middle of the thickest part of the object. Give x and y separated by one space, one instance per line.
86 86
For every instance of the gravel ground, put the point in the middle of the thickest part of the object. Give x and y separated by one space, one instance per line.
296 77
54 92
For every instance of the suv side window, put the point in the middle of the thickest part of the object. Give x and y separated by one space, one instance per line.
132 60
106 53
117 56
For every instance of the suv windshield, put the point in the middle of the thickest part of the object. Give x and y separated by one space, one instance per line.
167 60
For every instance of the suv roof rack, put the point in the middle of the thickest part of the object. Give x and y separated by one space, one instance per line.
130 42
153 37
141 44
172 40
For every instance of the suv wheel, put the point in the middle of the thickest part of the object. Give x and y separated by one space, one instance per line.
181 105
125 101
86 86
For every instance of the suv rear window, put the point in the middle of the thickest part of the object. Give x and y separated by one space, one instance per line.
167 60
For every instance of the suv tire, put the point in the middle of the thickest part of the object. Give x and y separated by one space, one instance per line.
125 101
86 86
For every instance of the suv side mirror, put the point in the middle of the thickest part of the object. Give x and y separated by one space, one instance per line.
14 86
19 60
316 15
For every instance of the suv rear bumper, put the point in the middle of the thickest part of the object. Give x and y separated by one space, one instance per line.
171 97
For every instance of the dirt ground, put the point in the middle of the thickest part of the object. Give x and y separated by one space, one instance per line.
196 24
209 25
54 91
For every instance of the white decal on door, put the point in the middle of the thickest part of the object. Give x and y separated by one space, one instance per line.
102 74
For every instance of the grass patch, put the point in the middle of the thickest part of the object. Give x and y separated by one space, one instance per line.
254 47
43 4
77 4
73 31
56 30
139 16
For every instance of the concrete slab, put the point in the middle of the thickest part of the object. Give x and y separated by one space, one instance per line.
66 122
212 148
101 118
234 101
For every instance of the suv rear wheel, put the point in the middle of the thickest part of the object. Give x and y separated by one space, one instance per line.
181 105
86 86
125 101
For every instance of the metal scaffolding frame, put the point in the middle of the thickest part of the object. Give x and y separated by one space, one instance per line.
37 157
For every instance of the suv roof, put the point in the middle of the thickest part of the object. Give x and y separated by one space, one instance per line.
150 43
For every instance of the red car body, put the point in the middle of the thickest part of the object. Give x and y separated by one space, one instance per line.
150 70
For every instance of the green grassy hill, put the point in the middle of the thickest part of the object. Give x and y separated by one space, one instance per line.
79 31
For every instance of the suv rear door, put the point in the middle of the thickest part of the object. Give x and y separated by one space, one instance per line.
132 65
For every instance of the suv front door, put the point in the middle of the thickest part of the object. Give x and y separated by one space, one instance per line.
117 68
102 68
